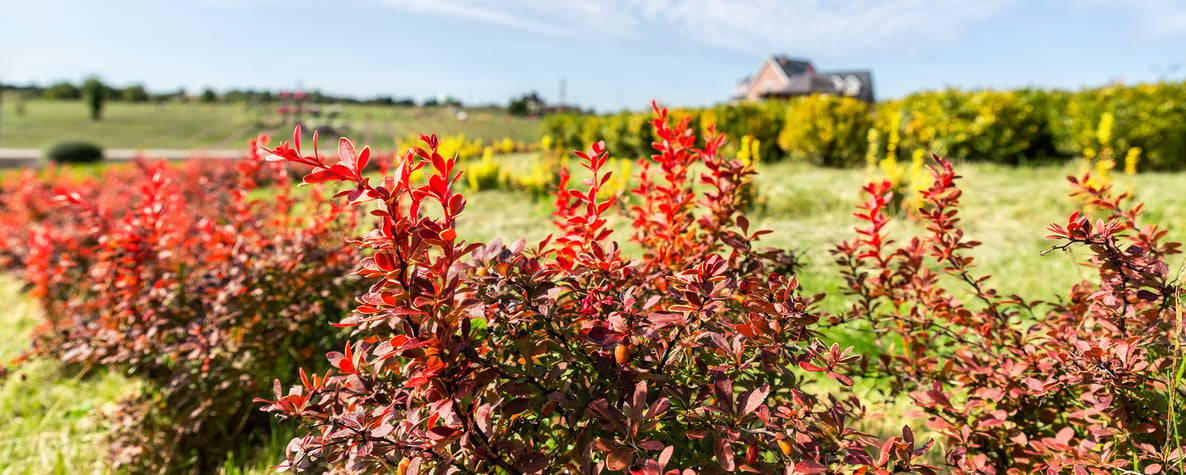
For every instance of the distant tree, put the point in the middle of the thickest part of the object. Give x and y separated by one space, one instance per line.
31 90
61 90
209 96
405 102
95 94
430 102
526 104
234 96
134 93
382 100
20 102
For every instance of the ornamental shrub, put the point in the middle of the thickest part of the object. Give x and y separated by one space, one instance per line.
826 130
94 93
1008 127
1151 117
1089 383
484 174
201 294
763 121
565 356
74 152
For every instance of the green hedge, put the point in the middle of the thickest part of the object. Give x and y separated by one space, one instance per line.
826 130
74 152
987 126
1149 116
1024 126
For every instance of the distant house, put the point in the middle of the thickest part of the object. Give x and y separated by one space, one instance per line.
780 76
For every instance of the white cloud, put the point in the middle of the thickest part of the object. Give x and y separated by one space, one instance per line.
240 5
1158 17
548 17
817 27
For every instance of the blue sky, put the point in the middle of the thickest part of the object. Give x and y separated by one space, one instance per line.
612 54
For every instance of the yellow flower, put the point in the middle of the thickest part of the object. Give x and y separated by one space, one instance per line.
1131 159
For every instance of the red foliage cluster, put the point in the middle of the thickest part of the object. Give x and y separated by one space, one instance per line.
1082 385
157 272
566 357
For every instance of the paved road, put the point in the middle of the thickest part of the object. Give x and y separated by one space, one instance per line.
25 157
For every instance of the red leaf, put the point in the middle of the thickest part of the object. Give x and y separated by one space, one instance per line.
619 458
439 433
532 462
842 379
754 399
346 156
1064 436
319 176
651 445
810 466
364 157
665 455
725 454
807 365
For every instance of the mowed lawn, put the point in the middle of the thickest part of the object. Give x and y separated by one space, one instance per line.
229 126
809 209
48 428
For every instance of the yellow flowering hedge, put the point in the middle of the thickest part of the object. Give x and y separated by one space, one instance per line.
1024 126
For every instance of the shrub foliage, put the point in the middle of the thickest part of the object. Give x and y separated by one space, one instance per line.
200 294
700 355
1015 386
1024 126
74 152
565 356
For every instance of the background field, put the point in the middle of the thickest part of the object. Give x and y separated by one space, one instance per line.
176 125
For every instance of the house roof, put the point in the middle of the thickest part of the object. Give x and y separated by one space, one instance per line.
796 74
857 84
793 67
799 77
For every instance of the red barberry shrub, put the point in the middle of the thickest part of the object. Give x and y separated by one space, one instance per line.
567 357
203 295
1015 386
26 201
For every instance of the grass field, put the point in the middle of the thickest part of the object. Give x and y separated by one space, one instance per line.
809 209
46 424
50 415
229 126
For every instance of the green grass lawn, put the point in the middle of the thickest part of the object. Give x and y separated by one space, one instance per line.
50 415
809 209
229 126
46 422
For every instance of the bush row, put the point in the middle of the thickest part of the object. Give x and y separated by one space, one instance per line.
698 356
174 275
465 148
1008 127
